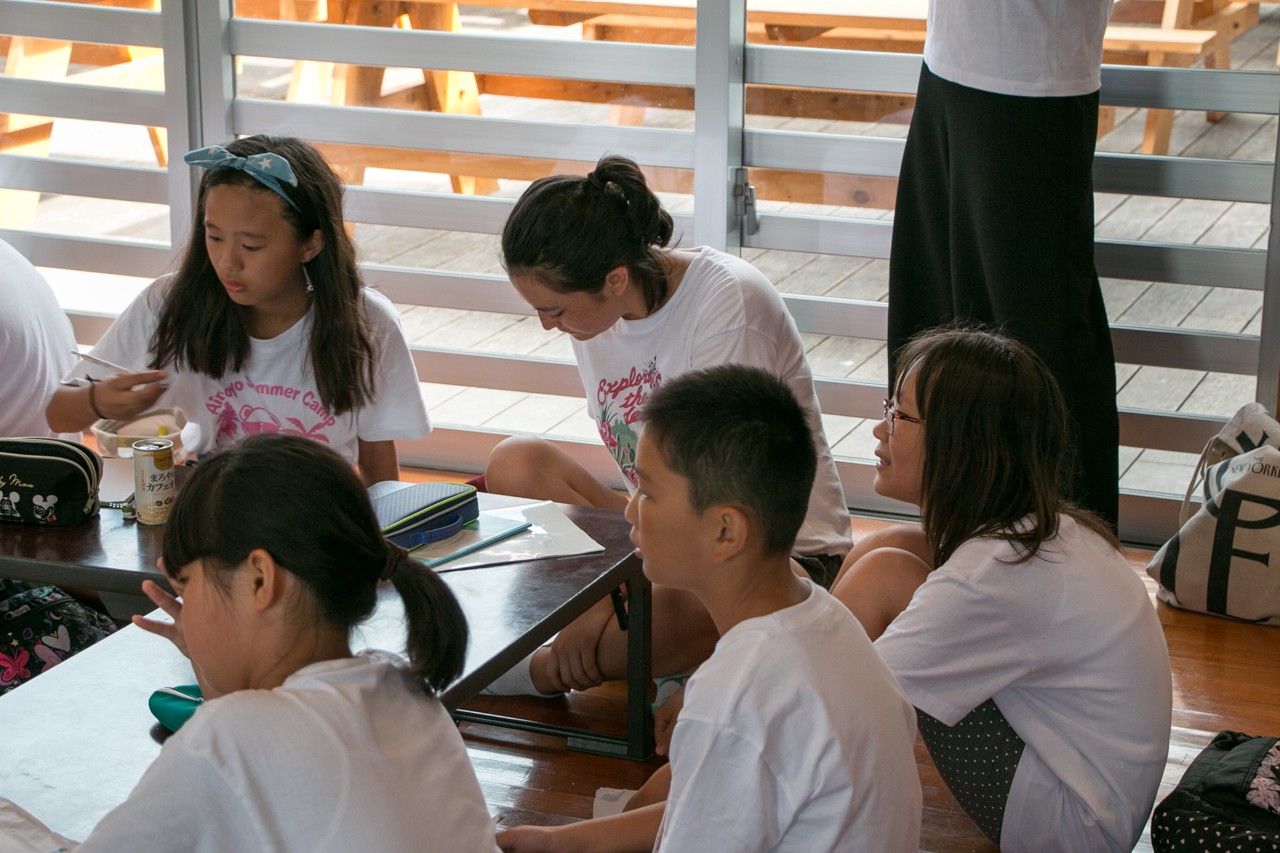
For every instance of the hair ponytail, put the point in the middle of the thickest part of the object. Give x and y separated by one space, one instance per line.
302 503
650 224
437 644
569 231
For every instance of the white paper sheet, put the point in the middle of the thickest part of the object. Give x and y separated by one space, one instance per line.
610 801
21 832
552 534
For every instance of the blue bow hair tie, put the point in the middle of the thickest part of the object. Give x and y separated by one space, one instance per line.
268 169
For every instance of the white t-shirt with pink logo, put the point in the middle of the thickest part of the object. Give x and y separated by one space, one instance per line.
724 311
274 391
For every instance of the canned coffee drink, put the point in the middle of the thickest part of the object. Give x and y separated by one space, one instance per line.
153 480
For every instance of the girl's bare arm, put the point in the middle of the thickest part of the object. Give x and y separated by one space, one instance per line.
629 832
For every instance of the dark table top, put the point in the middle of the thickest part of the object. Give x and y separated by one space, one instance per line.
511 609
94 740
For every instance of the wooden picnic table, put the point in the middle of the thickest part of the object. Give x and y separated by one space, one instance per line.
1155 32
1188 31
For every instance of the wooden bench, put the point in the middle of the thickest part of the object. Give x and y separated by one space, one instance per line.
1189 31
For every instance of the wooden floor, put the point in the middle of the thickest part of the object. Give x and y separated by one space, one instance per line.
1226 675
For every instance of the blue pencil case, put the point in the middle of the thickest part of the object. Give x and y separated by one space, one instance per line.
413 514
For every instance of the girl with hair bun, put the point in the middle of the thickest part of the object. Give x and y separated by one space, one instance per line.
592 255
266 325
300 745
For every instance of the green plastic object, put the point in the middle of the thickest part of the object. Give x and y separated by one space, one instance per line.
173 706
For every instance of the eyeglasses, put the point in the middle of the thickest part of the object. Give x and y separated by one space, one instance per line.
891 415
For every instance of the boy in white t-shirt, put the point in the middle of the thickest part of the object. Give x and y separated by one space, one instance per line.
794 736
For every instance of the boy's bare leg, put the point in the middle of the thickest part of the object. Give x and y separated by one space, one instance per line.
526 466
594 649
653 791
879 583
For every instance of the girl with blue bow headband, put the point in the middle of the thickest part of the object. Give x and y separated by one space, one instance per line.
266 325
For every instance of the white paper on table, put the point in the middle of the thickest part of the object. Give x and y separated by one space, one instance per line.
610 801
552 535
21 832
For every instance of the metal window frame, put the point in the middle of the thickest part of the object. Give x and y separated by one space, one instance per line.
661 65
76 22
719 110
199 106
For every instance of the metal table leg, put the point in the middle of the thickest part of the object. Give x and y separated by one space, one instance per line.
637 621
639 668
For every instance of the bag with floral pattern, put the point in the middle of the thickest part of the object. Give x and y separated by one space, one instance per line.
41 626
1229 799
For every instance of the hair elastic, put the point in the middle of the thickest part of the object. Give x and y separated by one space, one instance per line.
269 169
394 555
93 404
594 180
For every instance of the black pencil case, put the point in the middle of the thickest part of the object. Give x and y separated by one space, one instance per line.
48 481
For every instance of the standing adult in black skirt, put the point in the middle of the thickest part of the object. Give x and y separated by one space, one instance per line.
994 217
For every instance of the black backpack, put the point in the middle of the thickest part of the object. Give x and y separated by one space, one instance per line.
41 626
1229 799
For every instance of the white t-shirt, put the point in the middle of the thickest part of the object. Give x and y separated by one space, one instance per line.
36 342
1036 48
794 736
346 755
724 312
275 390
1072 651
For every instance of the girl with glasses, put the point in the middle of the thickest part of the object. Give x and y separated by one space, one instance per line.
1026 642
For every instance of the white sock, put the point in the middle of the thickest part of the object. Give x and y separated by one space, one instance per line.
517 681
667 687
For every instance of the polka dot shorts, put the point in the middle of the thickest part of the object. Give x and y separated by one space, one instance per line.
1176 825
977 758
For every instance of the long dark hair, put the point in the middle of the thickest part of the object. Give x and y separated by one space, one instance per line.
995 439
200 328
568 232
304 505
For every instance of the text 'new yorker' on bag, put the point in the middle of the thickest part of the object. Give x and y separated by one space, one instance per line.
1226 558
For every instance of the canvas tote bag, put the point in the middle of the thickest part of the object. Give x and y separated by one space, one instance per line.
1226 558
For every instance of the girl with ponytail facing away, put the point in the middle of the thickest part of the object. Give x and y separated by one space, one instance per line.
301 744
592 255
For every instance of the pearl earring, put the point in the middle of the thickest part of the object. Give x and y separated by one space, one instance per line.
307 276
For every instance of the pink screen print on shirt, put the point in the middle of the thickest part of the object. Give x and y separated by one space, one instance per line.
620 403
243 408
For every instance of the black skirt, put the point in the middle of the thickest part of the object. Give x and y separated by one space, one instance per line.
994 222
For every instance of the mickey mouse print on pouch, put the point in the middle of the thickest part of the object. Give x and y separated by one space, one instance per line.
41 626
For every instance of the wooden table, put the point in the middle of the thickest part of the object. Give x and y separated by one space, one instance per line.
88 721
